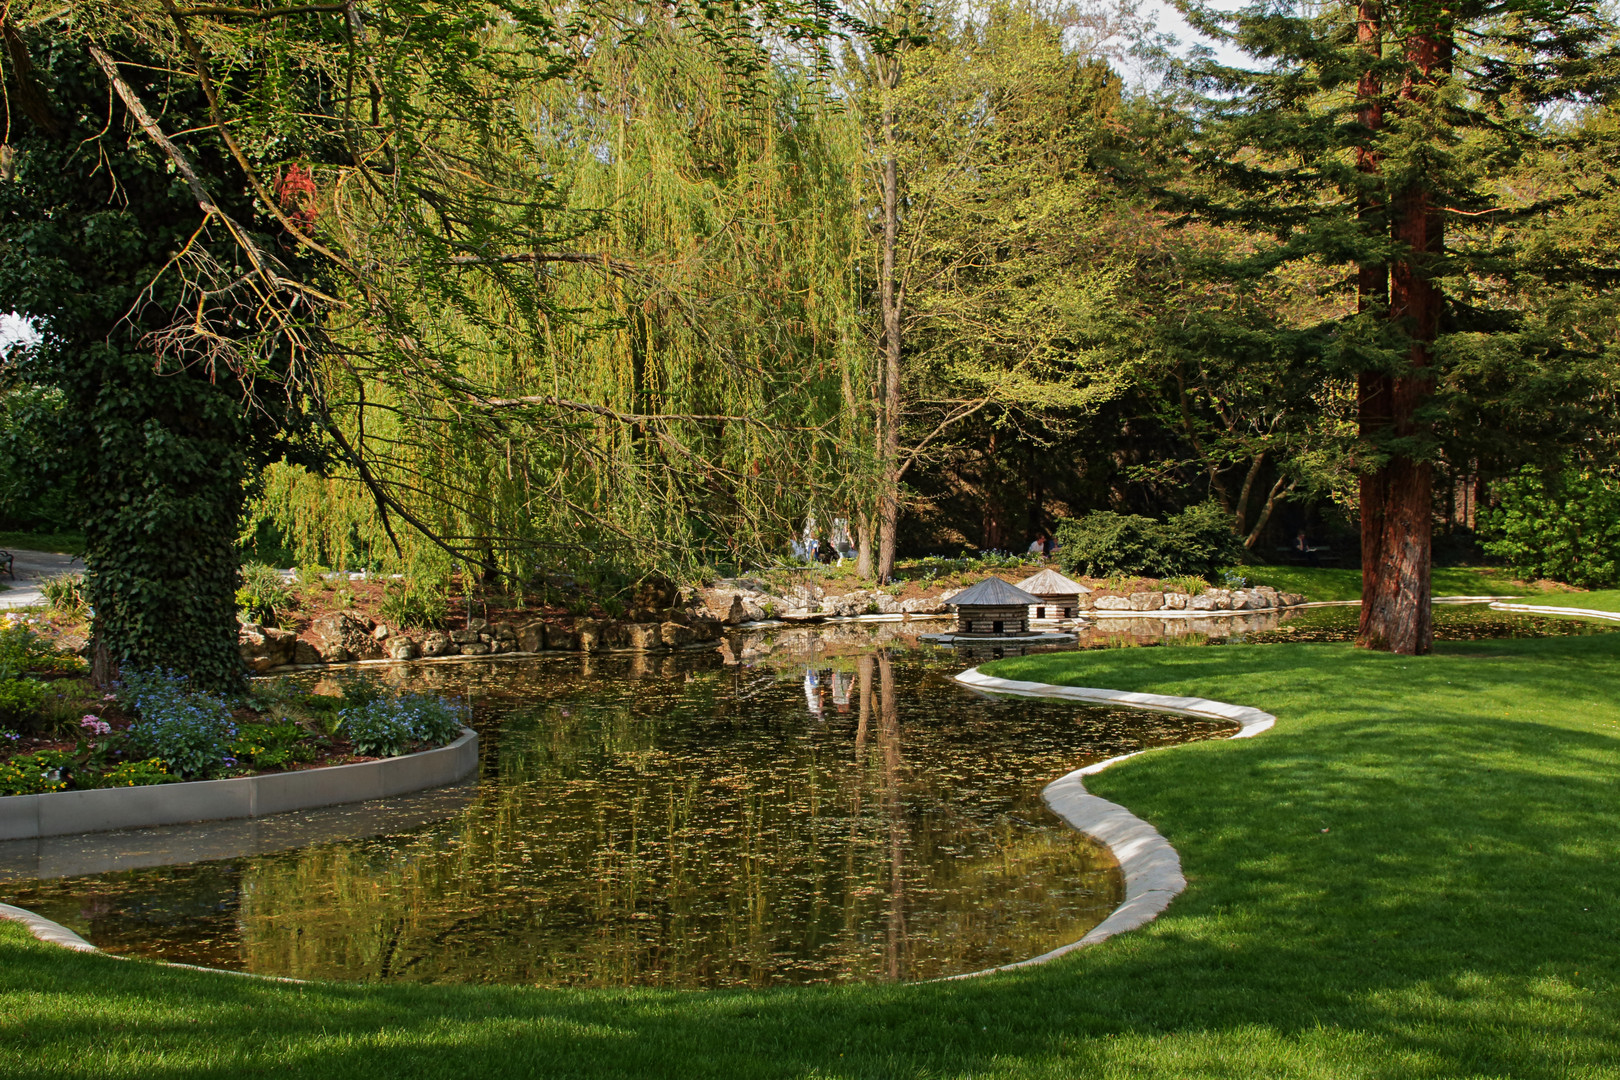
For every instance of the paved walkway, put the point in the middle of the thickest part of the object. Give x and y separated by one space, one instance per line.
32 567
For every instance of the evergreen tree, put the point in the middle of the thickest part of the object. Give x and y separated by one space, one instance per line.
1374 138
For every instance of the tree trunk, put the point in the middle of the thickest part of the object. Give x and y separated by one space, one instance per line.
890 298
1397 497
863 546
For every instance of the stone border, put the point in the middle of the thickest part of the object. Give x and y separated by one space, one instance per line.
60 813
1151 866
1543 609
45 930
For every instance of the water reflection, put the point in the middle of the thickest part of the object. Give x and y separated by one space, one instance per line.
679 821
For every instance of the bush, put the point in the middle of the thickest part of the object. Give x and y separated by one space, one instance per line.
417 602
1563 525
66 594
191 731
23 650
129 774
1197 542
263 595
21 701
33 774
385 727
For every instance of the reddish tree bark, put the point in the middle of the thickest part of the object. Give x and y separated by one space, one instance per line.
1397 496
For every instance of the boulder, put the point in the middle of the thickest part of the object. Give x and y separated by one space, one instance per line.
1290 599
675 635
337 654
505 631
403 648
561 637
477 626
349 630
1113 603
305 653
644 637
589 634
438 643
464 637
1175 601
1147 601
887 605
753 610
475 648
655 592
922 605
1202 602
706 630
381 631
727 607
263 647
531 637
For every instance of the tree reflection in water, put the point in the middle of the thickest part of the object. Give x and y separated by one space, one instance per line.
676 821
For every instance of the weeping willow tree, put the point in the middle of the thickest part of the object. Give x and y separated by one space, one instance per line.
668 390
557 280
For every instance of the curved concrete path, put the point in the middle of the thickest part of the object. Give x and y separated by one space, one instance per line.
1151 866
33 567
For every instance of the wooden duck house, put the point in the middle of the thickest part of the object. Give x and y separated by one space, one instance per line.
1056 597
991 608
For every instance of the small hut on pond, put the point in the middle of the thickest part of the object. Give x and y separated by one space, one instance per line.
1056 596
992 607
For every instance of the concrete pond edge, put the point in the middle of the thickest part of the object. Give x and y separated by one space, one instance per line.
1151 866
64 813
1547 609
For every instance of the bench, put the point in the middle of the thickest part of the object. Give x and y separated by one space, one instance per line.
1318 556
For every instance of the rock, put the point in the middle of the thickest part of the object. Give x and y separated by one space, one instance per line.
754 610
531 637
505 631
438 643
922 605
561 637
348 629
403 648
305 653
589 632
337 654
706 630
675 635
1175 601
1113 603
1291 599
498 646
644 637
1201 602
477 625
464 637
728 608
381 631
487 638
1147 601
655 591
263 648
475 648
887 605
1244 600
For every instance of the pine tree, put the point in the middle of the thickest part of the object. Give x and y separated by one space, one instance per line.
1374 137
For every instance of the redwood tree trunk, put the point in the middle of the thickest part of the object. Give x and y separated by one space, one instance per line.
1397 497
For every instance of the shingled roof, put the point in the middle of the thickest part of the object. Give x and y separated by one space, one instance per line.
992 592
1052 583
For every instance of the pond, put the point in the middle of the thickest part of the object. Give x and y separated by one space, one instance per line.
808 805
833 807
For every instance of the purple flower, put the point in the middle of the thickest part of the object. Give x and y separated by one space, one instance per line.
95 726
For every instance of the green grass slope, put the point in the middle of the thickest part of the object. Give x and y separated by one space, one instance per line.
1332 583
1413 875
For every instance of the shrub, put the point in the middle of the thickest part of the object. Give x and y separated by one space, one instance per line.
66 594
129 774
33 774
191 731
418 602
385 727
23 650
1197 542
1563 525
263 595
21 701
311 577
272 746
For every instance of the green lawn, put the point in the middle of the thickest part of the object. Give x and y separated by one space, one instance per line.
1332 583
1602 600
1413 875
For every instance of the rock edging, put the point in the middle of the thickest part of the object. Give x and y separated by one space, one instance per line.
1547 609
62 813
1151 866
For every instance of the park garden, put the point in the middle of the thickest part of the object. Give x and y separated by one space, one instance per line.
603 538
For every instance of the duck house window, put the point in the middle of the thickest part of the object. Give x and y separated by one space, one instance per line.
995 627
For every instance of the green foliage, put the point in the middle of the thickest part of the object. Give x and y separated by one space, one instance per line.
66 594
128 774
272 746
342 596
386 726
421 602
1198 542
190 729
33 774
20 703
263 596
21 649
311 577
1563 525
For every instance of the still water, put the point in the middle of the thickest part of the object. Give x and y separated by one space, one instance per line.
828 807
805 806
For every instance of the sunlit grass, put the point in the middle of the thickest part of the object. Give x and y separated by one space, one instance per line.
1333 583
1412 875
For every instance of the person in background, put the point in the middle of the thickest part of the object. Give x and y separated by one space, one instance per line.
1048 546
1303 549
1037 546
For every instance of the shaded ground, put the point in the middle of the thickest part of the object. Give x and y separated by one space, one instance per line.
31 568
